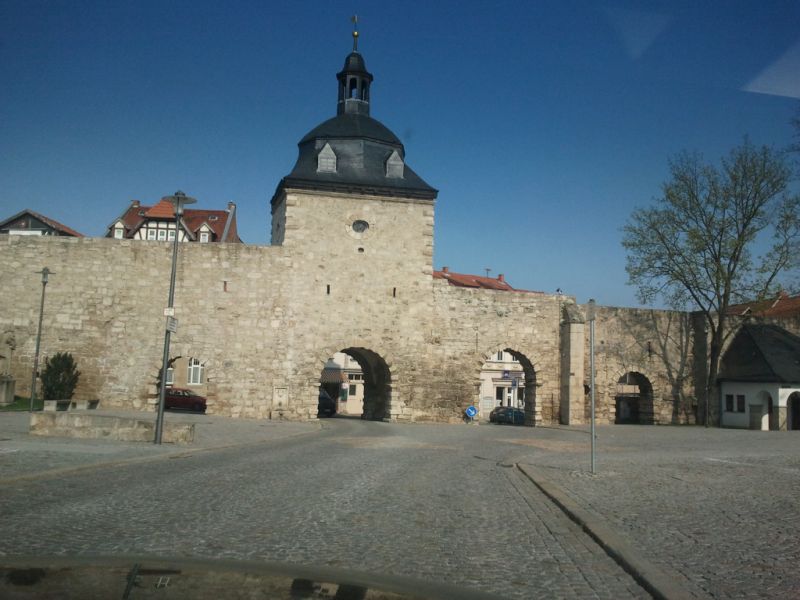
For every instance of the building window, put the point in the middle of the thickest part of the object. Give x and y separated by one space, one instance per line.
170 376
739 402
352 389
151 234
171 235
729 402
355 376
195 372
162 235
118 233
203 237
500 355
326 160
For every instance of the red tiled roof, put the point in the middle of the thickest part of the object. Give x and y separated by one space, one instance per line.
162 210
782 305
476 281
51 222
193 219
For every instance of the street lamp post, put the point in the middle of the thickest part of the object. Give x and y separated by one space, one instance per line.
590 316
179 200
45 273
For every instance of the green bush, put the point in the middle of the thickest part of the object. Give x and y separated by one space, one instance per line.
59 377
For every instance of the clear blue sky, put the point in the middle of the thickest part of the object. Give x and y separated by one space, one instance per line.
543 124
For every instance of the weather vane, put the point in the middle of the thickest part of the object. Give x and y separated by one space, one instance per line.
354 19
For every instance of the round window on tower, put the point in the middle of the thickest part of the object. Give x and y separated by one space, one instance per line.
359 228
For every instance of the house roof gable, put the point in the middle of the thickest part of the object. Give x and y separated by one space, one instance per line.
762 353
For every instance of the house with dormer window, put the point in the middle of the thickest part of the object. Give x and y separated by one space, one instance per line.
157 223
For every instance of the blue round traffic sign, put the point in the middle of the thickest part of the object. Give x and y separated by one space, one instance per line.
471 411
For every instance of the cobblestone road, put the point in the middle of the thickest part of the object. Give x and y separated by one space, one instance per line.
719 508
434 502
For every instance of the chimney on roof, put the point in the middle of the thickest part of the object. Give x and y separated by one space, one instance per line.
231 206
501 278
135 203
445 270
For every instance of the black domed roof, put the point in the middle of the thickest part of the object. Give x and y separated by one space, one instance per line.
361 155
352 126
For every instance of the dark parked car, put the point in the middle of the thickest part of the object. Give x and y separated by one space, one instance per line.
184 399
326 406
507 414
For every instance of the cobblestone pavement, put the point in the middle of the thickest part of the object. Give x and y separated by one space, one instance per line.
434 502
22 454
720 508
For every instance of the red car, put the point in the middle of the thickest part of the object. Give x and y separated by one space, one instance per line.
184 399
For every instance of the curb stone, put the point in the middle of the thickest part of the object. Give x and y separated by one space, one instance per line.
656 581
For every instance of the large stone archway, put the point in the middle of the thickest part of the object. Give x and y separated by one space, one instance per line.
377 381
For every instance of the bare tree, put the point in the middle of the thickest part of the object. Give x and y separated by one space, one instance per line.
696 247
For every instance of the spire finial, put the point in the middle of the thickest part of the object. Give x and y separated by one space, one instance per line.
354 19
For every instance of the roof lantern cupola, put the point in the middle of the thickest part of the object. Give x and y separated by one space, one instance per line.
354 81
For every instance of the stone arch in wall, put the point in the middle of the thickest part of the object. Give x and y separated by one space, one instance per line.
527 382
377 381
633 399
793 412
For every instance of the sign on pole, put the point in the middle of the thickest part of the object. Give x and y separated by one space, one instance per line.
172 324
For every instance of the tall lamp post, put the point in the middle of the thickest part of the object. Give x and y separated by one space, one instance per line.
590 316
180 200
45 273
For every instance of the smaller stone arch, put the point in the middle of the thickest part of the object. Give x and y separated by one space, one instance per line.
633 399
527 385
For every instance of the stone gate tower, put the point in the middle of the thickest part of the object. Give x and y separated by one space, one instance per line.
357 222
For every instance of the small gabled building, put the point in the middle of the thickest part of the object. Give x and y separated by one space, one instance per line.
157 223
28 222
759 379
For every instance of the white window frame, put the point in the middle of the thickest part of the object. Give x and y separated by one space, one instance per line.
195 372
204 237
151 233
162 235
119 233
171 235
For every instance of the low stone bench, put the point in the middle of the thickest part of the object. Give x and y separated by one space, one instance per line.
89 425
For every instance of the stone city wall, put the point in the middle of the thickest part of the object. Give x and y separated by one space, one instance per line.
657 344
263 321
105 302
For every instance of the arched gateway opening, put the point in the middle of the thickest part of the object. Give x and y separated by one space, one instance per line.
358 382
508 379
634 400
793 412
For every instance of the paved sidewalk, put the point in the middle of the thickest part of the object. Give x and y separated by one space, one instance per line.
716 508
25 455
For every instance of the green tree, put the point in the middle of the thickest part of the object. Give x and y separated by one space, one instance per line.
59 377
715 237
